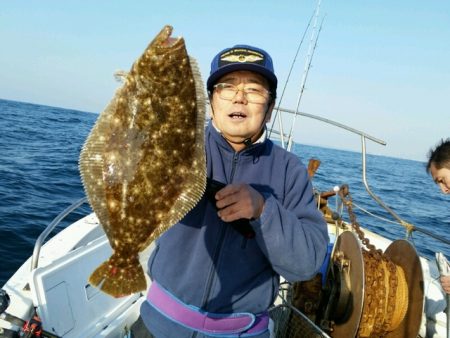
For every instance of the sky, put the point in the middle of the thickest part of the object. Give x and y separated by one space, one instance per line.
382 67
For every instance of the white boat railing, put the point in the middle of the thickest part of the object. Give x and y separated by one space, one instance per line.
408 226
43 236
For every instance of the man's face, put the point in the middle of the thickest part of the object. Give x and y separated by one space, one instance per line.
236 117
441 177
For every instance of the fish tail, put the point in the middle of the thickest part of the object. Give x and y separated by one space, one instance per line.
119 280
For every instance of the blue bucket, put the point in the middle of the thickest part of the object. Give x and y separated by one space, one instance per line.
324 268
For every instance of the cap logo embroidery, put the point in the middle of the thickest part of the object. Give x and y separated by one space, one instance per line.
241 55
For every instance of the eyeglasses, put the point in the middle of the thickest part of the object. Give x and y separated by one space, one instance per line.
254 93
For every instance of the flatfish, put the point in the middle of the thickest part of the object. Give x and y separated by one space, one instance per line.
143 164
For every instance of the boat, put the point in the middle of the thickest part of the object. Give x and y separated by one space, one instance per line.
49 294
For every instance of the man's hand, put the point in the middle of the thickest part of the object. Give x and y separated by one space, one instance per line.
445 283
237 201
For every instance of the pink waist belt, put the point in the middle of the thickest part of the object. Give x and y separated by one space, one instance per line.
209 323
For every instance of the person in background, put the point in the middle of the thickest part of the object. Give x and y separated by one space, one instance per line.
217 271
438 167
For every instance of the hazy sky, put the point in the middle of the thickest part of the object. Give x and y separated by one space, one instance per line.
380 66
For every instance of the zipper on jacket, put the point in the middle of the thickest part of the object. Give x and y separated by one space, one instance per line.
233 170
211 272
233 166
219 242
216 255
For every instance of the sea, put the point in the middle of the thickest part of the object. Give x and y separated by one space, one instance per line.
39 178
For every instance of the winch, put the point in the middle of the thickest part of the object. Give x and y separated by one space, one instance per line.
366 292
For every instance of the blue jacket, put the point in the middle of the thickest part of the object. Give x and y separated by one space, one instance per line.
206 263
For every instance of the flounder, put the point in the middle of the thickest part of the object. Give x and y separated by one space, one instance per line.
143 164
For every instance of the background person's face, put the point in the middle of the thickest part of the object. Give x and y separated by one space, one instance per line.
441 177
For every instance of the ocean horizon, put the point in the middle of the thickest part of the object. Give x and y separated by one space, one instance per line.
39 178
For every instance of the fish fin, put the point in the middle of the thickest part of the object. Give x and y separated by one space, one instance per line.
91 164
119 281
195 182
120 75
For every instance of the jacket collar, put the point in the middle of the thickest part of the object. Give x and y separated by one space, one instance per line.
217 135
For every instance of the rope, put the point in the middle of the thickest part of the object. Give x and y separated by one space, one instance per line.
373 215
409 228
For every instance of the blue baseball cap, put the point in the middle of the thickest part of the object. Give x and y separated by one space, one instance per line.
242 57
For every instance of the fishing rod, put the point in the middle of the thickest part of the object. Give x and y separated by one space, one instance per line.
280 121
305 76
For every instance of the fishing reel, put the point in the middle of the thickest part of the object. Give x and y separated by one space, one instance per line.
4 301
14 323
17 327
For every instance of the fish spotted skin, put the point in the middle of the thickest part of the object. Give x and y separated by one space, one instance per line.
143 165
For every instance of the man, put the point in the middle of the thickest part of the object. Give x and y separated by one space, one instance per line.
217 271
438 167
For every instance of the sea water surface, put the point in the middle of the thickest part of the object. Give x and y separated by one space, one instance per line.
39 177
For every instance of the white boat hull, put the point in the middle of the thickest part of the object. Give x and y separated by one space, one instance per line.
69 307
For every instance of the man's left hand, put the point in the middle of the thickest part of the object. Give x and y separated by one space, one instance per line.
237 201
